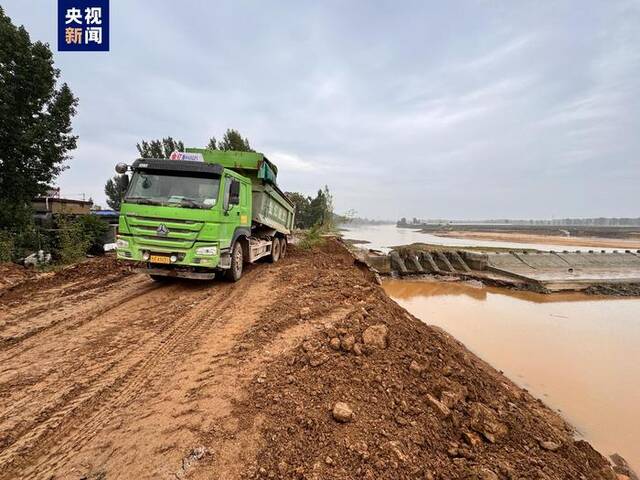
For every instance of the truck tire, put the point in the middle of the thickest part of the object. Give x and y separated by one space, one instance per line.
235 272
275 250
283 247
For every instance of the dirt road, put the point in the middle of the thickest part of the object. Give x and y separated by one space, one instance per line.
105 374
106 371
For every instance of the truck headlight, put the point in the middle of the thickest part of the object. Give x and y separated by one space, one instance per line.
122 243
206 251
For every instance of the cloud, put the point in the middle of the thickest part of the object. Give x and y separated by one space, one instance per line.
288 161
499 54
417 109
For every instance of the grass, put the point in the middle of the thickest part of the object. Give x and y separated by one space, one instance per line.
312 238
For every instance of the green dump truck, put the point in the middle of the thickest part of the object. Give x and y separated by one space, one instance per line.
201 213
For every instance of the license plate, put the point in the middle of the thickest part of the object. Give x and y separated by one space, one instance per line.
159 259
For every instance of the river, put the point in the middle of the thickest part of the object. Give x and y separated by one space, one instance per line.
578 353
381 237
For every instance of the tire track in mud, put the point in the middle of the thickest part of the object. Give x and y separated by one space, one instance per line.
77 421
92 371
57 296
14 343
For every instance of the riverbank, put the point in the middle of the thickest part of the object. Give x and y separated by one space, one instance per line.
303 369
376 393
519 237
577 352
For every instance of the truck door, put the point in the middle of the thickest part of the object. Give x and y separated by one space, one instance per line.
235 209
245 204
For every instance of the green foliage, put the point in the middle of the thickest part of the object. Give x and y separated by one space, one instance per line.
7 245
316 211
18 244
35 122
159 148
73 237
114 189
28 240
93 230
70 243
301 204
232 140
68 239
311 238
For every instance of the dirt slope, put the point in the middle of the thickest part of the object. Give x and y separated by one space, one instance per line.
105 374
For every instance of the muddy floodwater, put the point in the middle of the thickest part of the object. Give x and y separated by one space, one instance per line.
579 353
381 237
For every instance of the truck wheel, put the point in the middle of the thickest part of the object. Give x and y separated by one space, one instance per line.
283 247
275 250
235 272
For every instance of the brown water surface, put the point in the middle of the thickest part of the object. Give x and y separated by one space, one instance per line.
579 353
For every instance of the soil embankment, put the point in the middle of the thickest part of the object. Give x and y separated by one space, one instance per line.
106 374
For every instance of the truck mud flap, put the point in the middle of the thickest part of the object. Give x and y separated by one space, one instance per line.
177 273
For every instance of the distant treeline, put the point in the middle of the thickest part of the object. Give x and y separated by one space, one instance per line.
363 221
599 221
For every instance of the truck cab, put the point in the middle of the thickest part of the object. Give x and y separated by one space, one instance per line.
189 217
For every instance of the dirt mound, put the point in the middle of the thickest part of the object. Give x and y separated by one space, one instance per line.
12 274
98 269
375 393
109 374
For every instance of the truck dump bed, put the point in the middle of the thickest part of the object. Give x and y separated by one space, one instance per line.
270 206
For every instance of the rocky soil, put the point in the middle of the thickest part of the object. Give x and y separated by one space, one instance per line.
379 394
304 369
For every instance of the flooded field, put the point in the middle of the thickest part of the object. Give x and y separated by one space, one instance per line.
381 237
578 353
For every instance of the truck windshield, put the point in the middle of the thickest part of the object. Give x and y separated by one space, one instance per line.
176 189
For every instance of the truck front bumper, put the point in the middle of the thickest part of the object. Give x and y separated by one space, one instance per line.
177 273
129 249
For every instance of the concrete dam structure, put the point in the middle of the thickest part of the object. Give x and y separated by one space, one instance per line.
543 271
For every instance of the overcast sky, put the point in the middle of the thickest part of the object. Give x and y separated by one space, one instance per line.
429 109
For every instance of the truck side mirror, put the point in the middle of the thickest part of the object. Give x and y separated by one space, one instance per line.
122 168
234 192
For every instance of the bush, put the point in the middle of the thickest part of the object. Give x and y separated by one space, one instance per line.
75 237
67 239
7 246
93 231
15 245
70 242
312 238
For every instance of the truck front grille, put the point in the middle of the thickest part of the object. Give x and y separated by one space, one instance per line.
164 233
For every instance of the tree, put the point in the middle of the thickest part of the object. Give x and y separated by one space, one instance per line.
312 212
114 189
213 144
232 140
159 148
328 216
35 123
301 204
317 208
